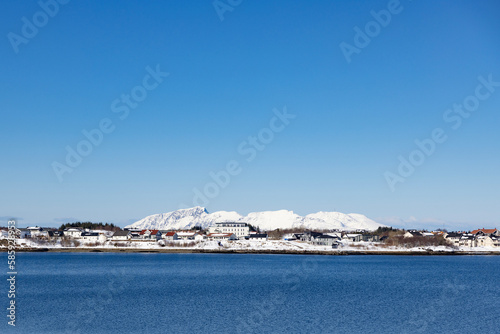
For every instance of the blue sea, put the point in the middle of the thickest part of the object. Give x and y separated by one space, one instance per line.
239 293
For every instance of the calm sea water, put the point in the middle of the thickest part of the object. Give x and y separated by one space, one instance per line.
214 293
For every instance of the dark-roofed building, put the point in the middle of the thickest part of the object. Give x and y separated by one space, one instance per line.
93 236
37 231
257 237
325 240
336 244
55 234
310 236
454 238
468 240
121 236
370 238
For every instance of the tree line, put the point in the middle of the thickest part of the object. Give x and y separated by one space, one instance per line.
91 226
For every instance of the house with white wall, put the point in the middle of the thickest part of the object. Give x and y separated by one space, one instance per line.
93 237
172 235
222 236
352 237
121 236
199 237
325 240
37 232
239 229
454 238
150 234
486 241
73 232
467 240
186 235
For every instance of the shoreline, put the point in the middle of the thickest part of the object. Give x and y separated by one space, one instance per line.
263 251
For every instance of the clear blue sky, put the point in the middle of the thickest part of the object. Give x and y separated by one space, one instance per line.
353 119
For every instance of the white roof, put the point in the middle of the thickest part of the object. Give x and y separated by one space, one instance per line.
185 233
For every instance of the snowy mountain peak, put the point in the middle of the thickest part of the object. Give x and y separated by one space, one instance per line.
193 211
266 220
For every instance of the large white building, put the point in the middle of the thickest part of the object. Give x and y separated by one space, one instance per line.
73 232
239 229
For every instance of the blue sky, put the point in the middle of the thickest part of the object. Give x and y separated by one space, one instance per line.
353 120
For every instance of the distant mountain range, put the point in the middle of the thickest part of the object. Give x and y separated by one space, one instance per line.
266 220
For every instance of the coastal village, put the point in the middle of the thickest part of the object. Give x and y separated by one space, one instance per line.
229 235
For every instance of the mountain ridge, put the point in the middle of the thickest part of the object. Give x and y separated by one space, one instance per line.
265 220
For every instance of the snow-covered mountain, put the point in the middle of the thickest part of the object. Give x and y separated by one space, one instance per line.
266 220
185 219
271 220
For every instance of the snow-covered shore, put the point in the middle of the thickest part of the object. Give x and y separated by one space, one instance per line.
244 246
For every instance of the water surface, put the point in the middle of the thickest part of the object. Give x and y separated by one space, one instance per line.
229 293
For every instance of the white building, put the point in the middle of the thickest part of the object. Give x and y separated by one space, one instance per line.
92 236
121 236
326 240
199 237
487 241
186 235
37 231
107 233
73 232
352 237
468 240
239 229
222 236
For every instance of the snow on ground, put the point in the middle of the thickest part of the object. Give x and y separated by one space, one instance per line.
252 246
